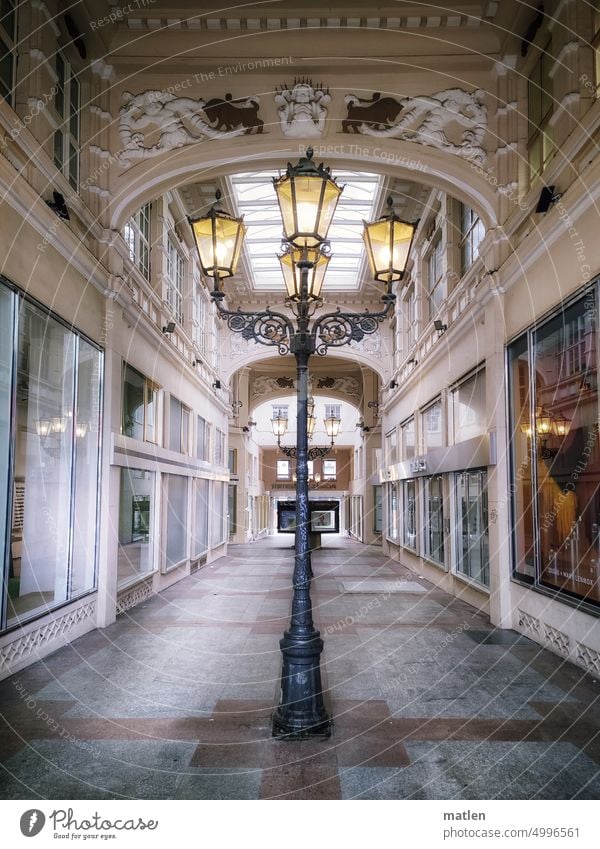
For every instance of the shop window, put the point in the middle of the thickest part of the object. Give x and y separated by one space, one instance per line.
433 501
472 526
48 462
539 110
596 43
555 453
66 137
8 40
136 525
377 509
218 513
409 514
137 237
201 514
472 232
176 492
392 512
140 401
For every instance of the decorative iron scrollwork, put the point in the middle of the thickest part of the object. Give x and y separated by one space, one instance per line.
340 328
312 454
265 328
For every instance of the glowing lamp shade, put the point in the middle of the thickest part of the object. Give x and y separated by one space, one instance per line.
279 425
388 241
310 426
332 426
561 426
526 429
43 427
307 195
219 239
292 274
543 423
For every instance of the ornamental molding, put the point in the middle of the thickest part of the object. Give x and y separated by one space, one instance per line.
302 109
31 643
153 122
452 120
263 385
134 596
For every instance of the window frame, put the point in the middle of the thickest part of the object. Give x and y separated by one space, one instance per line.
406 501
472 233
175 278
149 388
138 241
281 476
329 476
64 136
9 41
434 262
539 125
427 523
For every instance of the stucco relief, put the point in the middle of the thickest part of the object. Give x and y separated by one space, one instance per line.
156 121
345 385
452 120
302 109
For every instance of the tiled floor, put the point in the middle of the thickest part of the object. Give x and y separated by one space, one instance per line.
174 700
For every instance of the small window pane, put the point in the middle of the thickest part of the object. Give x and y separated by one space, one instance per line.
136 525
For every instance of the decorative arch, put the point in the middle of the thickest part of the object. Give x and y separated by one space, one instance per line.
391 157
230 365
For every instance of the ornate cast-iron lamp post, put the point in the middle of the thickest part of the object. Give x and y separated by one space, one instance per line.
308 197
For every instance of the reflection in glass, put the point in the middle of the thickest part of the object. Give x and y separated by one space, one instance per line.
568 458
469 408
136 525
87 432
200 539
217 504
432 426
41 516
472 523
393 511
520 443
434 518
7 302
409 516
177 489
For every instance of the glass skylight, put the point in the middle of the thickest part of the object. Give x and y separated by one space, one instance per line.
255 199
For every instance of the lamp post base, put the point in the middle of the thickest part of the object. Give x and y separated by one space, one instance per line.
301 712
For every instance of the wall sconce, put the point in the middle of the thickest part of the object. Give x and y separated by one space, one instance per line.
547 198
411 362
170 328
393 384
217 384
440 326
